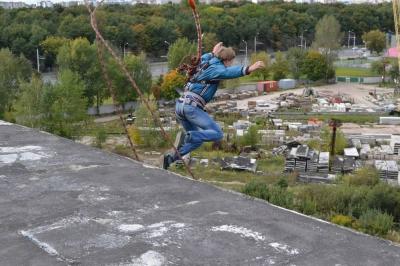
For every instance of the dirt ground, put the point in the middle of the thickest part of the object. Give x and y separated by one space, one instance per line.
358 92
351 128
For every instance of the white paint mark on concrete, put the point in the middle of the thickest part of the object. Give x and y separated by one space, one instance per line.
160 224
150 166
101 198
76 167
221 213
156 206
244 232
127 228
23 153
270 261
115 213
158 232
284 248
192 202
4 123
178 225
35 178
59 224
20 149
102 221
108 241
30 156
8 158
46 247
150 258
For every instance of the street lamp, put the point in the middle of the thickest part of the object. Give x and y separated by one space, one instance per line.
255 43
245 59
354 39
38 58
301 40
125 44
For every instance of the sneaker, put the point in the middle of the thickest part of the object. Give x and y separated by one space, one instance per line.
167 160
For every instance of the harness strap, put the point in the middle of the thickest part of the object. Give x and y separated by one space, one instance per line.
191 96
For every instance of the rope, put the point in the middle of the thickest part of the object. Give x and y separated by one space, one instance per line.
125 71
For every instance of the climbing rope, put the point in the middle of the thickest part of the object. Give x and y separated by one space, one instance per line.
122 66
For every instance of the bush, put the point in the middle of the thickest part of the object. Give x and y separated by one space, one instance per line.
101 137
121 150
172 81
385 198
307 206
375 222
281 197
342 220
273 194
251 138
134 133
366 176
256 189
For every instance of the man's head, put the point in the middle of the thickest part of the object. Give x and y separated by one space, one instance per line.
226 55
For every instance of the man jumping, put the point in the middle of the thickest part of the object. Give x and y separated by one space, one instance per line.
199 90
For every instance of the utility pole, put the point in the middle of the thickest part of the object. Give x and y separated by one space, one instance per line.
37 60
255 43
124 48
334 123
348 40
245 60
301 41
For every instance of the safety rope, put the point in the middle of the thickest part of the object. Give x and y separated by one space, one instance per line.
100 54
125 71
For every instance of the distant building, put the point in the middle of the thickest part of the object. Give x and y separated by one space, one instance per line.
12 5
45 4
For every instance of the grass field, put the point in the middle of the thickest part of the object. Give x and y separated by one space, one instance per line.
270 166
354 72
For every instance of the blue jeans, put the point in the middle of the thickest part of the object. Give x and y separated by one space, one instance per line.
199 127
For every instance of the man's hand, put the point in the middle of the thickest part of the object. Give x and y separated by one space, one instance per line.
217 47
256 65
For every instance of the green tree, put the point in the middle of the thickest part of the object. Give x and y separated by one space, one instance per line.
296 57
375 41
13 71
326 137
317 66
210 39
51 46
147 126
380 67
179 52
64 107
327 34
81 57
280 68
28 105
261 74
140 72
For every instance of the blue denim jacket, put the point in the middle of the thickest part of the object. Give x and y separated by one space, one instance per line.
215 71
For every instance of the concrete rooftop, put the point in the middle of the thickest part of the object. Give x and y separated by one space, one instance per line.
63 203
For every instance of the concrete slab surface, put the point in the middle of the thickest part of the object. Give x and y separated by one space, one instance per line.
63 203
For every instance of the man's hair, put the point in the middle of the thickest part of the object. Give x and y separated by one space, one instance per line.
225 53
